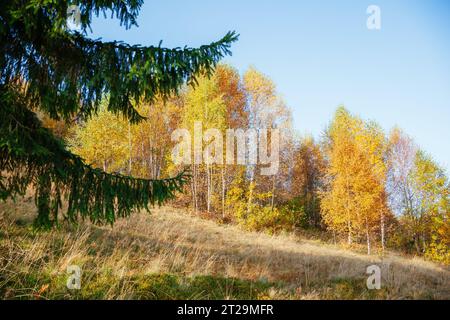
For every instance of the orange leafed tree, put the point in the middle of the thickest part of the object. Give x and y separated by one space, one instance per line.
355 200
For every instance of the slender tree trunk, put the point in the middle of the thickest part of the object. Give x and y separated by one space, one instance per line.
349 230
417 244
211 183
160 164
194 188
349 225
382 232
143 159
417 236
150 158
223 192
424 242
129 149
368 238
250 197
193 195
273 192
208 182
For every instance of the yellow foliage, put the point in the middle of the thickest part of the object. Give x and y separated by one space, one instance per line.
355 197
102 141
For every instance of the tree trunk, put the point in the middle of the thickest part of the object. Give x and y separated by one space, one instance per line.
349 225
208 182
273 192
129 149
368 239
194 188
417 244
223 192
193 195
349 228
382 232
250 198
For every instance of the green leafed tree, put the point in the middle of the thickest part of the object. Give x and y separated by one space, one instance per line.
46 67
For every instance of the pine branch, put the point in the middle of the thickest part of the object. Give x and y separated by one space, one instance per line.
64 70
31 155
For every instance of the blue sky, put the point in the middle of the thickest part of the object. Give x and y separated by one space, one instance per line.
321 54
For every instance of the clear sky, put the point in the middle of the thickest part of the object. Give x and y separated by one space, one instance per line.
321 54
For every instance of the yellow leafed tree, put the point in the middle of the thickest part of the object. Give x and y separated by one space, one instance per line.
102 141
354 201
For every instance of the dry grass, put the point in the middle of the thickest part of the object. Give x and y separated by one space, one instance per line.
171 255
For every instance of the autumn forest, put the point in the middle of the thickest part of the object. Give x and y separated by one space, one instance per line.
266 152
356 183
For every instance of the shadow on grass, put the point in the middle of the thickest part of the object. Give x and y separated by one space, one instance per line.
160 286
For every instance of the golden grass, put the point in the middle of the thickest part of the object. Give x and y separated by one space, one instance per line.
171 242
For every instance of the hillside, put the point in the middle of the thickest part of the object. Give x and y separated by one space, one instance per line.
172 255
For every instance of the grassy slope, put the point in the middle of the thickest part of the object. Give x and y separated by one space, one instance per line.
171 255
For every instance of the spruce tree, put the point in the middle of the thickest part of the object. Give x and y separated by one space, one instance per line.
48 68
